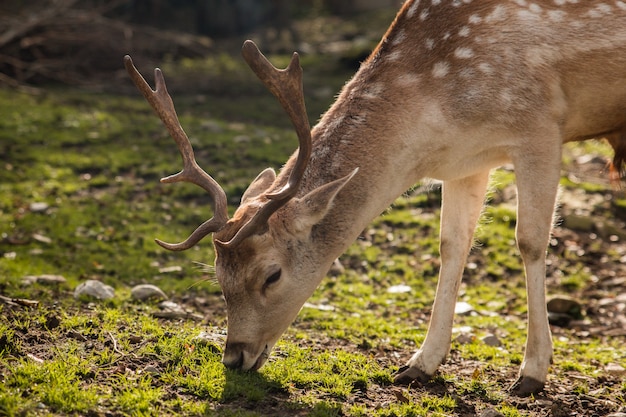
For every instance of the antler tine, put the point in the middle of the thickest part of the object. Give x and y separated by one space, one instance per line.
286 85
162 104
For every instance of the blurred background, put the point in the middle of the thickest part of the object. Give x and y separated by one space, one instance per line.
81 42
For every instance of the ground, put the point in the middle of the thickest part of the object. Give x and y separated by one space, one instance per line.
80 198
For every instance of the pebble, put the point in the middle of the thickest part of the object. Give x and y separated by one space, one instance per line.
94 289
491 412
462 308
615 369
151 369
144 292
170 310
170 269
398 289
565 305
491 340
465 338
38 207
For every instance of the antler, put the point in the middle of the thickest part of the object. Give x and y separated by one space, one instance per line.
162 103
286 85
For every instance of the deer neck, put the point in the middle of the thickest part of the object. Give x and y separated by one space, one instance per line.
355 133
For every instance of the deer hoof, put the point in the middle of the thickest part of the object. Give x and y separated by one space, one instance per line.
525 386
407 375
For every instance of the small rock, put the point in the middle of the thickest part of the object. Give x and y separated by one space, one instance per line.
462 308
615 369
320 307
465 338
94 289
491 412
398 289
579 223
151 369
41 238
565 305
491 340
170 269
559 319
38 207
170 310
43 279
147 291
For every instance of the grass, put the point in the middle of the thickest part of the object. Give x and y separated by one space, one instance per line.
94 162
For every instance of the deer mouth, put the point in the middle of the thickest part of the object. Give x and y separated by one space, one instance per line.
261 359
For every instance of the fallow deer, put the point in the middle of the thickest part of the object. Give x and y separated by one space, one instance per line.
454 89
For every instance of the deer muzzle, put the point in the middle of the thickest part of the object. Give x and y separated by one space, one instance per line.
245 356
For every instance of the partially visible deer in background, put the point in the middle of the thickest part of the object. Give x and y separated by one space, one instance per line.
454 89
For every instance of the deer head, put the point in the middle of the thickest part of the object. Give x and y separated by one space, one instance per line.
263 264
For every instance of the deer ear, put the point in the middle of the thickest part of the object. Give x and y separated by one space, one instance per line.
311 209
261 183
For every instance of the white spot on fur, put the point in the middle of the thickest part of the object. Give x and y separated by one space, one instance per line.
463 53
412 9
464 31
538 56
399 38
505 97
436 2
522 3
485 68
556 15
424 15
620 5
429 44
395 55
535 8
475 19
559 2
440 69
373 91
576 24
408 80
600 10
527 15
446 36
498 14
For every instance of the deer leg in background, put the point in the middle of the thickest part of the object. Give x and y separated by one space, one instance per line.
537 176
462 202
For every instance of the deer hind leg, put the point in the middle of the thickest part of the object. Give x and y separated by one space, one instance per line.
462 202
537 178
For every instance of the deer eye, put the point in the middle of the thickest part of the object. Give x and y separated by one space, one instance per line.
272 279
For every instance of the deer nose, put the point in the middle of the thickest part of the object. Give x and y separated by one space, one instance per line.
234 355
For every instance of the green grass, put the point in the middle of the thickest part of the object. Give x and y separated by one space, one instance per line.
95 161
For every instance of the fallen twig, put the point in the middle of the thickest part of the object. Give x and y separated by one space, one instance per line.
18 301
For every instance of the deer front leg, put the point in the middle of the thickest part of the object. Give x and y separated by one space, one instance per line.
462 202
537 180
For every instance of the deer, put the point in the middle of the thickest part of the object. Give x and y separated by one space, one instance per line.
454 89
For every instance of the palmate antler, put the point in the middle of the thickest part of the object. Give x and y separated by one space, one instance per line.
286 85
